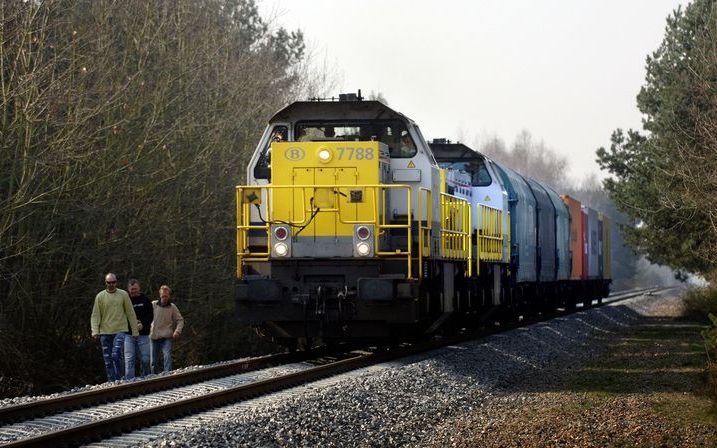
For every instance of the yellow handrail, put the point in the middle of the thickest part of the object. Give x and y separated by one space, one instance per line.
491 235
256 194
456 238
456 233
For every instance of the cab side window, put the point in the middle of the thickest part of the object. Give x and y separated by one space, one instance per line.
480 177
405 148
262 170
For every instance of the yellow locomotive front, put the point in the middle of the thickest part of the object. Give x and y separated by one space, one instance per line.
327 199
327 235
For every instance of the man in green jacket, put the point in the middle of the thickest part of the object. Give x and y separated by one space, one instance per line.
110 314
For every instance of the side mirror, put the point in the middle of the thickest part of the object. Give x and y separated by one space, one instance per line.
262 172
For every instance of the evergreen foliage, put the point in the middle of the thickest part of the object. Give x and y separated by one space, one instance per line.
665 176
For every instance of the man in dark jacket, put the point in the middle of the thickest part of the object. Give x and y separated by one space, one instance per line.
138 346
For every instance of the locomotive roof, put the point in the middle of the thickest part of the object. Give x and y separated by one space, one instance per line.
337 110
445 150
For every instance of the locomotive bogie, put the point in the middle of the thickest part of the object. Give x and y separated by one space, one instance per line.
311 298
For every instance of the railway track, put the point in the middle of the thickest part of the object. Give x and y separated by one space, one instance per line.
165 398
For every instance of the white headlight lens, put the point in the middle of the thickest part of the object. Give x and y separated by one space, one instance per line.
281 249
324 155
363 249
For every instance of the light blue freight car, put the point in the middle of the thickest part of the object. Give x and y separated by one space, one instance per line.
523 233
545 230
562 235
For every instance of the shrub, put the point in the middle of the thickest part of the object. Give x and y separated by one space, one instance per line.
710 335
701 305
700 302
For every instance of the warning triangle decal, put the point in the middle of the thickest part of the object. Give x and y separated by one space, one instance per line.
487 199
411 164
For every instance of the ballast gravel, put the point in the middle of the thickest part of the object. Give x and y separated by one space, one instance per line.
405 403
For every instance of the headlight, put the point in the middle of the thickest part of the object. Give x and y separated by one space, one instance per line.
363 249
324 155
281 249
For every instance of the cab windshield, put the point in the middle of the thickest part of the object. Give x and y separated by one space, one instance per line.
476 168
393 133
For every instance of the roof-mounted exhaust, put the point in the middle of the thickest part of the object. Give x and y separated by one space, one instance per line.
342 97
351 96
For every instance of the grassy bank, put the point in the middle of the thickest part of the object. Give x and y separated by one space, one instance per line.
647 388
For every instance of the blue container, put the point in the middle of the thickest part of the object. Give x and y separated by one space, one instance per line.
547 257
562 235
522 205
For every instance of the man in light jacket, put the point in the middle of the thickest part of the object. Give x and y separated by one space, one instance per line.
110 314
167 325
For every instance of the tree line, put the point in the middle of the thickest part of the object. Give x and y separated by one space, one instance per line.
664 177
125 126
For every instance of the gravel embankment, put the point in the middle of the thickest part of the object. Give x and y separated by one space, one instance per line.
507 390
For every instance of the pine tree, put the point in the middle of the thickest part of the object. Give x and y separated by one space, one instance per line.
665 176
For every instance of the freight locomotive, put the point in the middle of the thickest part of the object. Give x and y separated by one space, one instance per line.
353 226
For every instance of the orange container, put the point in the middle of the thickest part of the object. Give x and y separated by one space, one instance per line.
576 237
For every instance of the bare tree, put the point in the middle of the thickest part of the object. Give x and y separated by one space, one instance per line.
533 159
125 127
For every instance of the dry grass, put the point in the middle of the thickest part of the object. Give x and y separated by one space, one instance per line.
647 389
700 303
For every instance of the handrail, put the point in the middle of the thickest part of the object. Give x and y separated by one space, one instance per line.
424 232
491 234
455 236
456 229
256 194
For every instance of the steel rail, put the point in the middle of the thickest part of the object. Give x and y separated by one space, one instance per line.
146 417
24 411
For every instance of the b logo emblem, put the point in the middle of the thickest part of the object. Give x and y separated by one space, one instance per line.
294 154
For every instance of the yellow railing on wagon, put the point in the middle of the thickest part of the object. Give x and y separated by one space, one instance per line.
247 196
456 230
490 234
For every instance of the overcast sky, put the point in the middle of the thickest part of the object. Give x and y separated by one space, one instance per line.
567 71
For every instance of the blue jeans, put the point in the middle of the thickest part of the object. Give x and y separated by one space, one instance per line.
165 345
112 345
136 347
